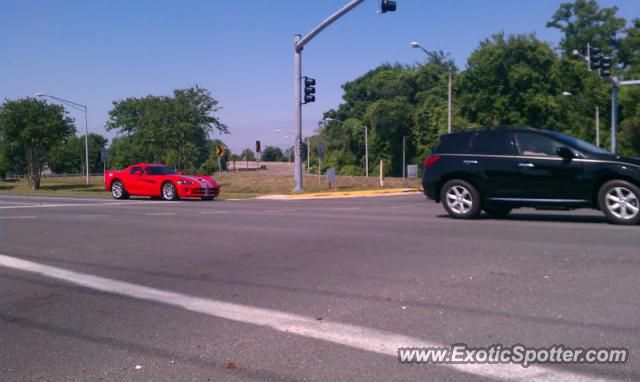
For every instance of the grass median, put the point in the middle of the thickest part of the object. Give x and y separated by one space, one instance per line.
233 185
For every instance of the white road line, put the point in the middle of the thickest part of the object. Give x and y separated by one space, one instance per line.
94 216
213 212
18 217
23 203
123 203
160 214
358 337
343 209
34 197
68 205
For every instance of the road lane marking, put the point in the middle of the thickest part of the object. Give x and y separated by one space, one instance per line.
94 216
358 337
21 203
213 212
124 203
160 214
36 197
18 217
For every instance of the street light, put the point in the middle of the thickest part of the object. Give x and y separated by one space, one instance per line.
289 136
597 111
366 144
416 45
82 108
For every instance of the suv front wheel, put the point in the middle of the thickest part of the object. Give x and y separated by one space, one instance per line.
461 199
620 202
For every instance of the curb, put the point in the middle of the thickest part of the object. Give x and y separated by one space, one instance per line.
349 194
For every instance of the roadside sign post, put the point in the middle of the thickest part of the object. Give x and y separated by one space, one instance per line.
331 176
104 156
219 154
320 151
258 156
381 172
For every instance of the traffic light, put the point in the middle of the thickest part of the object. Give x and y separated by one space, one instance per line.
595 57
387 6
309 90
605 66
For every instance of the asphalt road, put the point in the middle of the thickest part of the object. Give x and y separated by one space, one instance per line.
315 286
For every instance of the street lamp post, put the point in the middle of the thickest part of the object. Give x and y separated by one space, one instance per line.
366 144
416 45
597 116
82 108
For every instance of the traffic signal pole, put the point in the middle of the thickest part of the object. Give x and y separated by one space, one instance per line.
616 84
298 44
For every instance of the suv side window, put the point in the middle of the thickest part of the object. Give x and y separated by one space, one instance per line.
492 142
135 170
530 144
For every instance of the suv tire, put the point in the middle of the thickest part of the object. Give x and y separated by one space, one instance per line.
620 202
497 212
461 199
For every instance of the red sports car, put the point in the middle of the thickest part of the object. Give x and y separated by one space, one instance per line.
158 181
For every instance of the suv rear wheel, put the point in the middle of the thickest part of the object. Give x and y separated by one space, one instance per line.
497 212
460 199
620 202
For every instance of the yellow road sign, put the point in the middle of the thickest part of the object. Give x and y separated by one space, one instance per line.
219 151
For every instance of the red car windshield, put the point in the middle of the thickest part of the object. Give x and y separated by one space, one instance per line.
160 170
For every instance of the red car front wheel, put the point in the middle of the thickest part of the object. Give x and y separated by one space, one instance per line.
169 191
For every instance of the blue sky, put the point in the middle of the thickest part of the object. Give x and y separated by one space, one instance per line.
95 52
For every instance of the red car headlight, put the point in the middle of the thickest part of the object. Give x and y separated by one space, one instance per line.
185 182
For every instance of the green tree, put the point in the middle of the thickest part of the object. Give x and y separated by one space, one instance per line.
247 154
173 130
31 128
630 46
69 157
508 82
584 21
271 154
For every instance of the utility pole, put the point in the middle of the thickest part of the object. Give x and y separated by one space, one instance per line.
404 155
298 44
449 104
597 126
366 151
308 155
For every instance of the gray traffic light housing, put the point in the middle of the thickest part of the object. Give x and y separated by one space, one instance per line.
387 6
309 90
595 57
605 66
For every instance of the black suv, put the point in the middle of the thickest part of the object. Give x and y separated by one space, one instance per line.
500 169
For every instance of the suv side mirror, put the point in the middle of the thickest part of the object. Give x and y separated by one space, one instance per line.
564 153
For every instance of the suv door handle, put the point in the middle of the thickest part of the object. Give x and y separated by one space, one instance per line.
529 165
470 162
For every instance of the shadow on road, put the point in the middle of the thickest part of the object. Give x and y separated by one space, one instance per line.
593 219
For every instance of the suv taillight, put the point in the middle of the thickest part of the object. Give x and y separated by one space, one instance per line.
431 160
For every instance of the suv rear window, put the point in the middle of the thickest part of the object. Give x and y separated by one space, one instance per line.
456 143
